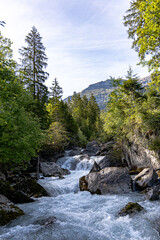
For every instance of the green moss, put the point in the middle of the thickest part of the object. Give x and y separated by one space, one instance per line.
11 214
130 208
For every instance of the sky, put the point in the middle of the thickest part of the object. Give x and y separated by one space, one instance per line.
85 40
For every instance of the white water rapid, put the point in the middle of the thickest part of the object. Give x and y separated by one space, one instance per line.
80 215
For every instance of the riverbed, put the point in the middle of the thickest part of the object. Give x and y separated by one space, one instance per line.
81 215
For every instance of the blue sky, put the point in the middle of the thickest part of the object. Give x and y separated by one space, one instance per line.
86 41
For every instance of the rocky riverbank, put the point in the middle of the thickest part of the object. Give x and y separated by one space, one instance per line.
112 174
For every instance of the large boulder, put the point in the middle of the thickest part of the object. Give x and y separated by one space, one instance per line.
130 209
108 180
75 151
8 211
145 178
31 188
13 194
92 148
52 169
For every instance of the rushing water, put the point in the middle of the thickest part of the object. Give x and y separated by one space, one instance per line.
80 215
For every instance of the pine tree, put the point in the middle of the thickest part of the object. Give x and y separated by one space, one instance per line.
56 91
33 63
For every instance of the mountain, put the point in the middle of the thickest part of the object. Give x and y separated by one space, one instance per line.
101 90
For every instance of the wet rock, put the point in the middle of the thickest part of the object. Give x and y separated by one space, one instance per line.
95 167
135 171
52 169
13 194
153 193
112 159
2 176
83 185
31 188
105 147
75 151
92 148
130 209
8 211
46 221
109 180
158 172
146 178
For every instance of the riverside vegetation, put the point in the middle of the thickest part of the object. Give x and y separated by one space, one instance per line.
35 121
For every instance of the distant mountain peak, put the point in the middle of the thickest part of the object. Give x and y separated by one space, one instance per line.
101 90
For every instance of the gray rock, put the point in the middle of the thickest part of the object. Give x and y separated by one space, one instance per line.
8 211
105 147
146 178
111 160
52 169
138 156
2 176
95 167
75 151
130 209
109 180
92 148
153 193
45 221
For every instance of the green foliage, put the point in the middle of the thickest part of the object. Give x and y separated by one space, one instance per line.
86 114
124 107
20 134
57 137
33 62
143 24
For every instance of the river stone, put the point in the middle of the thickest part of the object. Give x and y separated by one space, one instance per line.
46 221
13 194
92 148
153 193
31 188
83 185
52 169
130 209
2 176
75 151
95 167
146 178
109 180
8 211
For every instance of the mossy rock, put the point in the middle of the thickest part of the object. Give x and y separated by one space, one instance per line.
8 211
32 188
83 185
130 209
16 196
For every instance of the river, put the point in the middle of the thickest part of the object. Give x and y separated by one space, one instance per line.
80 215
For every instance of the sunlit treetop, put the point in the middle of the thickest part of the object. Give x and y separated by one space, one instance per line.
143 22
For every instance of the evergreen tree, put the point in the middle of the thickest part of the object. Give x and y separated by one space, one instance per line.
33 62
56 91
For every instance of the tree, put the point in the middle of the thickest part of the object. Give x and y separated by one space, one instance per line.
56 91
124 107
143 22
20 134
33 62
